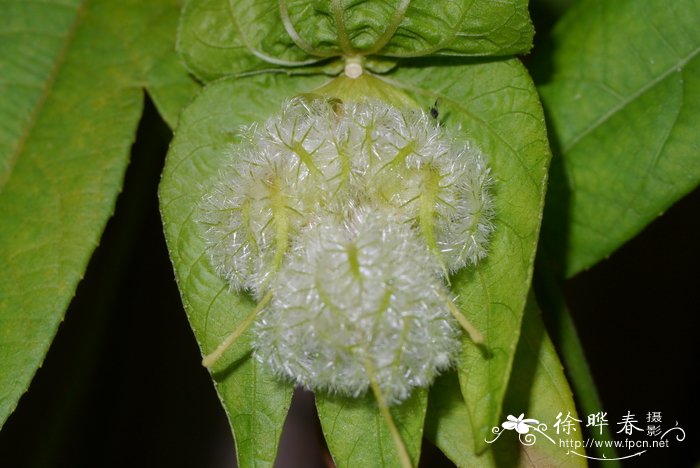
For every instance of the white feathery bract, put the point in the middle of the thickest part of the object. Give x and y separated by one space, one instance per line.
350 215
356 288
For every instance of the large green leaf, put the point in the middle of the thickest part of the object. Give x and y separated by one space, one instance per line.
72 75
537 388
624 102
346 422
496 105
404 28
227 37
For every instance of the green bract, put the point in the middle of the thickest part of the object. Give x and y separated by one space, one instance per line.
492 295
229 37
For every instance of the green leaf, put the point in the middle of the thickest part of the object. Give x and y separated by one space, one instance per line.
537 388
226 37
624 102
255 402
231 37
357 434
497 106
71 77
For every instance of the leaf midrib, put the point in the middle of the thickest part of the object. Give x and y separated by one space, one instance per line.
46 89
628 100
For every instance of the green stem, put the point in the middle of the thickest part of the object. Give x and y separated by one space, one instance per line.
563 330
210 359
474 334
401 450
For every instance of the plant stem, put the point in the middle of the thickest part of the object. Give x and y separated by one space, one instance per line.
210 359
386 414
474 334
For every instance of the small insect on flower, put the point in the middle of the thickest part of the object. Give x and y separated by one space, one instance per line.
344 220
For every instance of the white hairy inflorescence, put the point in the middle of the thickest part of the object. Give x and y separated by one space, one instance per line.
358 288
350 215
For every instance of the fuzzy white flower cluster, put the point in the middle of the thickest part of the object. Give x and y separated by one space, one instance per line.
351 215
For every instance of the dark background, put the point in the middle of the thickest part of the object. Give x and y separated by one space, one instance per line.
122 384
